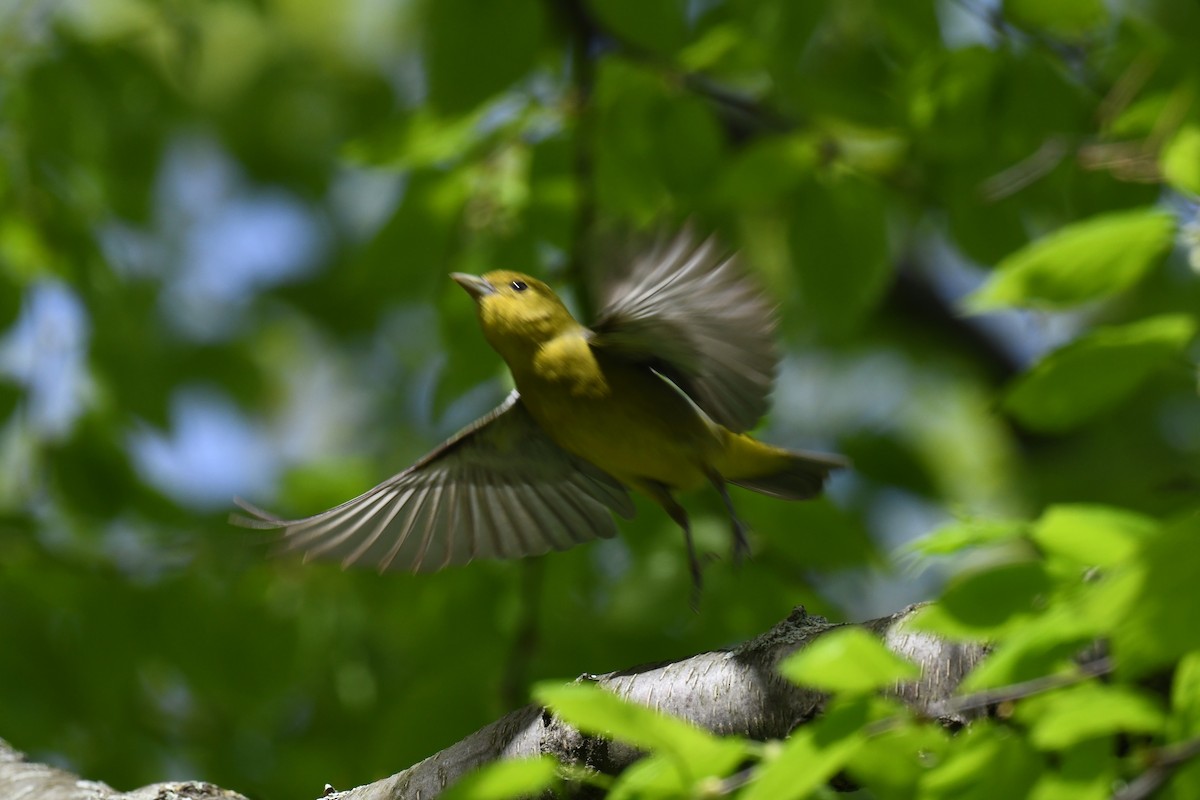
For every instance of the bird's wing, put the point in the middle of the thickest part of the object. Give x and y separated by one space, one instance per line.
500 488
687 310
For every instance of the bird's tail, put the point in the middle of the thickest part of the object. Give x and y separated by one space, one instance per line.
769 470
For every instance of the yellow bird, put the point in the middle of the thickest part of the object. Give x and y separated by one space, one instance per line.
653 397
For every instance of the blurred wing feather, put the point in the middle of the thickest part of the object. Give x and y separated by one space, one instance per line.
500 488
688 311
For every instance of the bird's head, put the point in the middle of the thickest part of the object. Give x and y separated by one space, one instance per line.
518 313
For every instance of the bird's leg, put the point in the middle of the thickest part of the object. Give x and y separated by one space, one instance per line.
662 495
741 544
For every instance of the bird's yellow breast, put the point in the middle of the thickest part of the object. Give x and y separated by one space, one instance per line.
622 417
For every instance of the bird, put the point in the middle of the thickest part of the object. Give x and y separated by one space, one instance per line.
655 396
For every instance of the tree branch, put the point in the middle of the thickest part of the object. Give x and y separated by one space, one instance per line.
20 778
737 691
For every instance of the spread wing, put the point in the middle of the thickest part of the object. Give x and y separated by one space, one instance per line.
687 310
499 488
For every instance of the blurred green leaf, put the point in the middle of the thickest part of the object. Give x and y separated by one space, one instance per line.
766 170
1180 161
986 762
420 139
594 710
1047 643
659 26
1086 771
1158 623
510 778
816 534
967 533
1093 535
839 244
894 761
475 48
848 660
92 468
988 602
655 776
1078 382
1067 716
1071 19
1185 697
812 755
1094 258
652 142
10 396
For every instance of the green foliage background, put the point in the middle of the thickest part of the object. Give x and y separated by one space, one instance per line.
978 220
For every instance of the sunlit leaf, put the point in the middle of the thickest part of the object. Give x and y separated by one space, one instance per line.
893 762
983 763
1092 535
848 660
987 601
1085 771
967 533
505 779
1094 258
1159 624
811 756
1073 714
1185 697
1076 383
1048 643
597 711
1180 160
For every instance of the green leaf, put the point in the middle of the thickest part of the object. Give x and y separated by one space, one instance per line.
421 139
766 170
1185 783
660 26
987 602
812 755
1159 623
848 660
893 762
1078 382
1185 697
523 777
1068 716
966 533
654 145
840 247
1095 258
1047 643
1092 534
983 763
1070 19
1085 771
476 48
598 711
1180 161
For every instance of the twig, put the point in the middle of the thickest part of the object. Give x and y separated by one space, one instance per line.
1016 691
1168 759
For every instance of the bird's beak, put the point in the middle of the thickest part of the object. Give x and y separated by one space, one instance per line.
477 287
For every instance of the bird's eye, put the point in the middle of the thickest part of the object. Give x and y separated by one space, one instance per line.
519 286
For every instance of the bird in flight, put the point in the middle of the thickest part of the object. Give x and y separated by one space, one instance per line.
655 397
